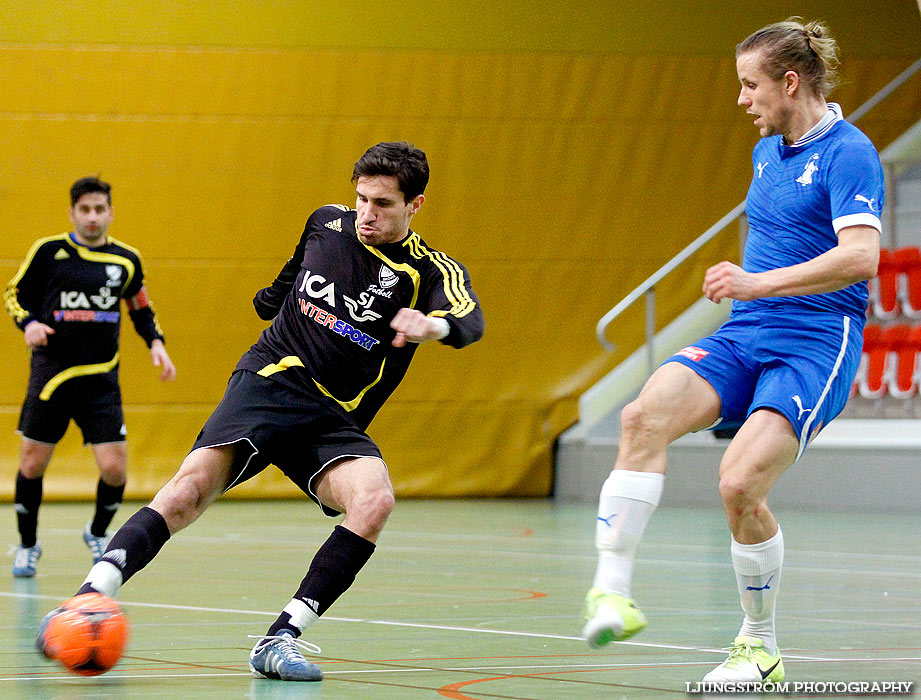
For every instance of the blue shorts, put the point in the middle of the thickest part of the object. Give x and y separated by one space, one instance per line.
800 364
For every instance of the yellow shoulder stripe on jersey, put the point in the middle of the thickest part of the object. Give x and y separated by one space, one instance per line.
452 273
10 296
283 364
93 256
126 246
353 404
402 267
76 371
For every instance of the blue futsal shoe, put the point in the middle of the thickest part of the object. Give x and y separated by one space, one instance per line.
97 545
280 659
24 560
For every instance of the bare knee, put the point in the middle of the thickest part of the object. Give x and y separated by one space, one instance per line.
180 501
742 494
643 439
112 460
634 418
114 472
373 505
734 491
34 459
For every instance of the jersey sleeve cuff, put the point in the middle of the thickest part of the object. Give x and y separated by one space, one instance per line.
25 322
863 219
444 327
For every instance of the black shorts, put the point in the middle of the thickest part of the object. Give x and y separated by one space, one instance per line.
94 404
270 423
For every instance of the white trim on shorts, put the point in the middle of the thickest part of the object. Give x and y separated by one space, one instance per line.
804 434
329 464
225 444
37 442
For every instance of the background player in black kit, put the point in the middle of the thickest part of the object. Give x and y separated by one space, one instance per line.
350 306
66 299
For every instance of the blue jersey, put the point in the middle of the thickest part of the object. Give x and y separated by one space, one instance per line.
800 197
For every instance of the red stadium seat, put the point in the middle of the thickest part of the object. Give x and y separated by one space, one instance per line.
883 289
901 362
907 262
870 381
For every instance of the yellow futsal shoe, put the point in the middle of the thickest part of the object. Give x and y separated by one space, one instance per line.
748 662
610 617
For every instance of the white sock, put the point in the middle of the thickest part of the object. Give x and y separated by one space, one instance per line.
301 614
757 568
627 501
105 577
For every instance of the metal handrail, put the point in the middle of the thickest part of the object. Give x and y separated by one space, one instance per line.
647 286
663 271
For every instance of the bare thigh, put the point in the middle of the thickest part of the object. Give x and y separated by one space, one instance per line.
674 401
203 476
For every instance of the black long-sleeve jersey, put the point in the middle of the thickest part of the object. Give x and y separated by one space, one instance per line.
77 291
333 303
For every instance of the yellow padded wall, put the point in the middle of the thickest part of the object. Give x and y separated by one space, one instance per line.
573 150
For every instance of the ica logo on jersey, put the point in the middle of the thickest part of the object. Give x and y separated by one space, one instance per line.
78 300
316 287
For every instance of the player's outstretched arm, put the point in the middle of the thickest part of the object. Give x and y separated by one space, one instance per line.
162 360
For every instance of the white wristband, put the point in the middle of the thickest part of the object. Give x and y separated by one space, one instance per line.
443 327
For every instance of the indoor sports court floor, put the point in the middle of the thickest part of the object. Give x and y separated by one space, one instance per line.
471 599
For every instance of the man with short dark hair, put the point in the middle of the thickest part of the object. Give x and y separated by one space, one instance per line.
66 298
359 294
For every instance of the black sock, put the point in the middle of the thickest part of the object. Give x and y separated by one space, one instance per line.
331 572
28 499
108 499
135 544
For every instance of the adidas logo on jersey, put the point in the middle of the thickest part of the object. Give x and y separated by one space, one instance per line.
61 255
335 225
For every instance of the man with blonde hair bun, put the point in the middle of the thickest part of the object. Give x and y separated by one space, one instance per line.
781 368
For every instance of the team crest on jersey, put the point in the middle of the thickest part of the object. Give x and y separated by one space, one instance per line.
387 277
114 273
811 167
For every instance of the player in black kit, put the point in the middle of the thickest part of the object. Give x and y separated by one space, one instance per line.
66 299
359 294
